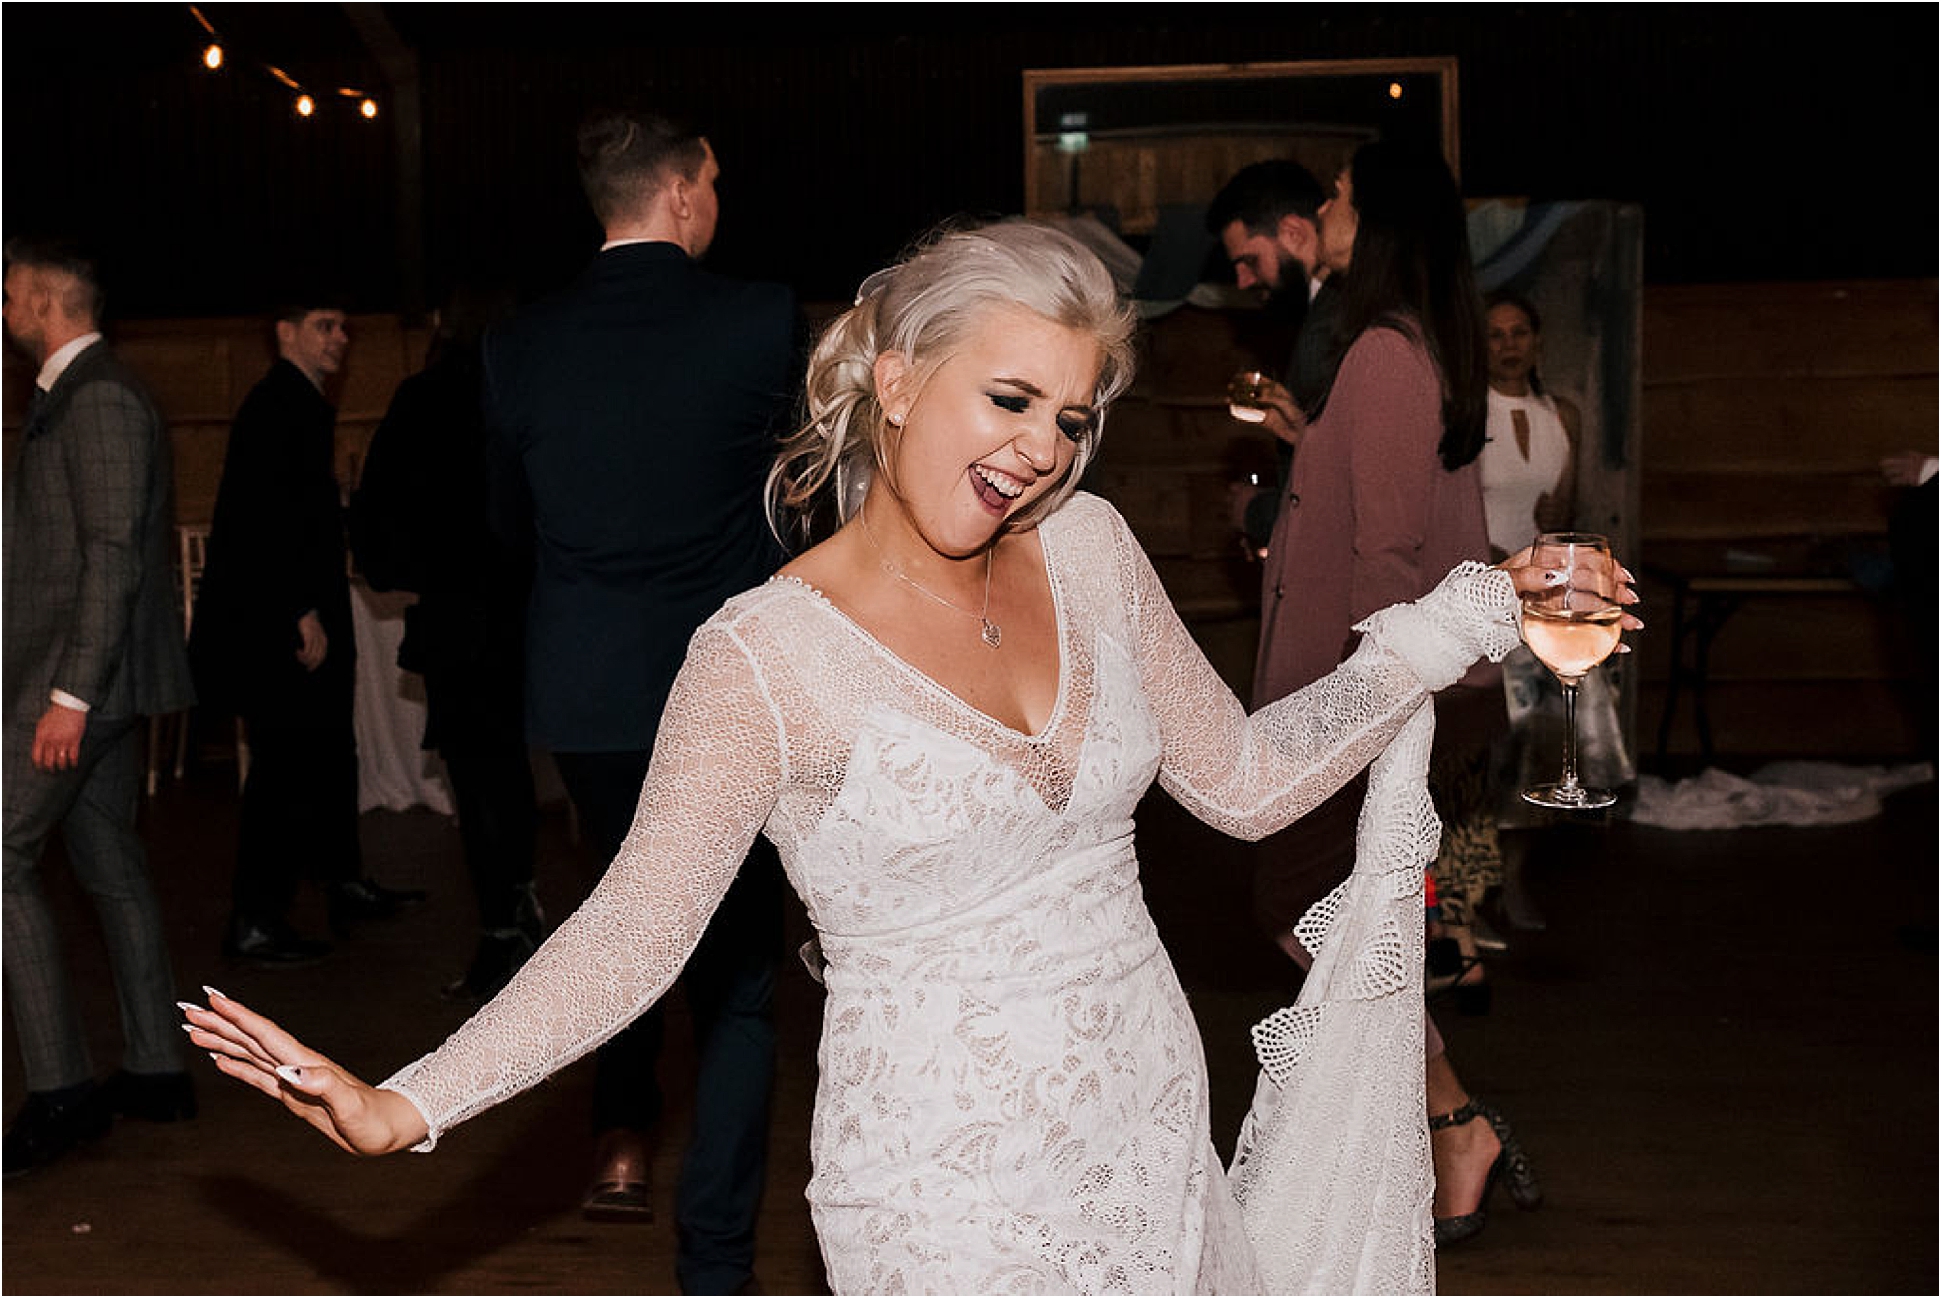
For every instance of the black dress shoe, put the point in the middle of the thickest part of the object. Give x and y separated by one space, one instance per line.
51 1123
355 900
151 1097
271 943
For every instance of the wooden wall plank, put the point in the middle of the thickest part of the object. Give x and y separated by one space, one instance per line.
1790 420
1761 502
1822 329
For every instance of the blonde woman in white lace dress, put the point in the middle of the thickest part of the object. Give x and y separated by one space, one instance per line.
944 716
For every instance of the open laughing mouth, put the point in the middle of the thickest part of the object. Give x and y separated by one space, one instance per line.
997 490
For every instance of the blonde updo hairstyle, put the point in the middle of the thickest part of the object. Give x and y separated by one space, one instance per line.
924 307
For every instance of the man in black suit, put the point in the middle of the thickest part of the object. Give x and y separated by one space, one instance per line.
93 644
419 522
271 639
633 419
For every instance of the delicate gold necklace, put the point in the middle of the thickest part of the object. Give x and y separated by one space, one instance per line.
993 634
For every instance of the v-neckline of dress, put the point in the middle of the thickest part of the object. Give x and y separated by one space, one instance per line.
1059 700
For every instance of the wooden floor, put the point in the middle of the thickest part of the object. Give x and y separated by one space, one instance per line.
1721 1056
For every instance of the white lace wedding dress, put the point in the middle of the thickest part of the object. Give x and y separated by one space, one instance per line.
1012 1091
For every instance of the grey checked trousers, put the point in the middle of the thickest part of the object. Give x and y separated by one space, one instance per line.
93 806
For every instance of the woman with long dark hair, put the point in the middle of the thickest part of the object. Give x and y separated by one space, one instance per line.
1384 497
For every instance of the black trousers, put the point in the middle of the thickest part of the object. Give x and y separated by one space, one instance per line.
299 810
497 822
730 985
473 669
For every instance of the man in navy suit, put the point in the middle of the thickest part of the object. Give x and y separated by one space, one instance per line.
93 644
633 418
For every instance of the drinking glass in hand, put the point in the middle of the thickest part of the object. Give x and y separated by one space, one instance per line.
1572 627
1247 396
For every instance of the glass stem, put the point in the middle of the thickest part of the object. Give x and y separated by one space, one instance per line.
1570 737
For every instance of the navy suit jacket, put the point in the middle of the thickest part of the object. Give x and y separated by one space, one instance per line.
632 420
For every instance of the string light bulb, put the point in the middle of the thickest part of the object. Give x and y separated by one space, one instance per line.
214 56
1394 90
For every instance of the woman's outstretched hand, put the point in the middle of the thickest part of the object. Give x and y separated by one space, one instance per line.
1532 579
258 1053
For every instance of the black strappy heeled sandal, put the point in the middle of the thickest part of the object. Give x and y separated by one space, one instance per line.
1445 968
1511 1165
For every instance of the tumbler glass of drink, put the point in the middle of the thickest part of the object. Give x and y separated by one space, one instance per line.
1247 396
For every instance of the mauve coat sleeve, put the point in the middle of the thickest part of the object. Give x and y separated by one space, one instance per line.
1390 383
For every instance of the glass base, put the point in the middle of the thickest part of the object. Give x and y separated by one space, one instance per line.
1569 797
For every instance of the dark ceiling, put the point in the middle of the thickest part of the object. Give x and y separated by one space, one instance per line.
1763 142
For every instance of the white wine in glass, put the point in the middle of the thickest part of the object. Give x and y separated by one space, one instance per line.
1571 628
1571 641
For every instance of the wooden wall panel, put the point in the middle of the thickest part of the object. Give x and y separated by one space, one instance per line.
1767 410
1772 502
1146 174
1828 329
189 375
1788 420
1768 407
198 371
198 449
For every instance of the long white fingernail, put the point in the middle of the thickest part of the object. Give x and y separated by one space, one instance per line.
185 1005
1554 578
213 992
291 1074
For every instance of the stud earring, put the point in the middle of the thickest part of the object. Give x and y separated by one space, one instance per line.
896 419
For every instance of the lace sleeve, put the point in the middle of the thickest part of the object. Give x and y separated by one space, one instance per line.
714 778
1250 776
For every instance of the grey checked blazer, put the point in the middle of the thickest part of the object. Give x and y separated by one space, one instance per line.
91 607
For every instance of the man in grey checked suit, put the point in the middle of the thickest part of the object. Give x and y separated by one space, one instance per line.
93 644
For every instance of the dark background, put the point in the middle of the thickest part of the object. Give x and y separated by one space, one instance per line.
1764 142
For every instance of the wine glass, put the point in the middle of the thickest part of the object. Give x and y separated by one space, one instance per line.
1571 628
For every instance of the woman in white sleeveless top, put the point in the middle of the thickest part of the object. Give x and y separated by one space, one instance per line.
1529 456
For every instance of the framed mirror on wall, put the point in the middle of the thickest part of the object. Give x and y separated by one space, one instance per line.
1126 144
